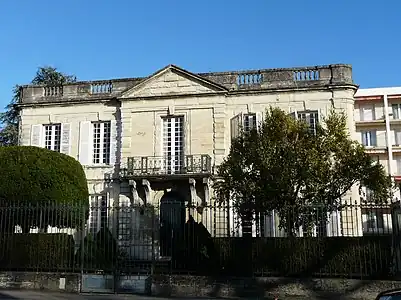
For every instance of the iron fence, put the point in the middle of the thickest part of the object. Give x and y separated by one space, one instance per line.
357 240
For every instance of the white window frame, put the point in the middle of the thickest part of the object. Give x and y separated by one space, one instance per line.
369 138
102 159
173 162
53 130
306 115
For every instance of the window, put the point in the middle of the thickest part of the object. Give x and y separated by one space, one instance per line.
173 143
244 123
101 142
396 111
369 138
98 213
367 113
396 137
53 137
377 220
249 122
311 118
398 160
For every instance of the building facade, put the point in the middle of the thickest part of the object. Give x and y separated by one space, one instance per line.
158 140
378 128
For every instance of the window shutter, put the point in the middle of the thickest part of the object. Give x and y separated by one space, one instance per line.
85 143
65 138
236 124
36 135
114 156
333 224
269 230
259 119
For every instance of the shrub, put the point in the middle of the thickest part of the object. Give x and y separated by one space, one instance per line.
42 187
37 252
367 257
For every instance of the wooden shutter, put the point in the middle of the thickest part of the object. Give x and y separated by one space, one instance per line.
269 224
65 138
236 125
114 155
85 143
36 135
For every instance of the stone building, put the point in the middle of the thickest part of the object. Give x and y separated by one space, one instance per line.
158 140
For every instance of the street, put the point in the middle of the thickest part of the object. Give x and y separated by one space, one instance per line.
35 295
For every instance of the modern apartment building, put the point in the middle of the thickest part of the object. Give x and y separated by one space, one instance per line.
378 128
158 140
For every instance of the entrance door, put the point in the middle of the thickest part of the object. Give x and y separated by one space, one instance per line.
172 221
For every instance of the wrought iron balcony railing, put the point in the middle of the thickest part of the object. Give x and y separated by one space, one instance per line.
167 165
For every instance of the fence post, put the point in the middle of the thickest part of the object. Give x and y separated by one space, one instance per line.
83 215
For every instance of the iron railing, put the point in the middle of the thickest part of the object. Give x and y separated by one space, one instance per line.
357 241
167 165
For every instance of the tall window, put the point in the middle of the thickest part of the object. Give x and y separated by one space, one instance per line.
173 143
101 142
369 138
249 122
396 111
98 213
53 137
311 118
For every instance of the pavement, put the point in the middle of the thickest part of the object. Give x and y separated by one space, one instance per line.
35 295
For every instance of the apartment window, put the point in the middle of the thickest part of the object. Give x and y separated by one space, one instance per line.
396 111
398 161
367 113
249 122
311 118
53 137
173 143
98 213
369 138
101 142
396 137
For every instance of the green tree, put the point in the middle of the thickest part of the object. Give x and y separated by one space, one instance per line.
40 187
9 119
300 174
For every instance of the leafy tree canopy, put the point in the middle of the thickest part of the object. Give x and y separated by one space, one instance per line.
42 187
285 167
9 119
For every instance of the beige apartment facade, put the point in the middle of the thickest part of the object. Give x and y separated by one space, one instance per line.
148 141
378 128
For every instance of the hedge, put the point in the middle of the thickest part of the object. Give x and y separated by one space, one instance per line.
361 257
37 252
36 182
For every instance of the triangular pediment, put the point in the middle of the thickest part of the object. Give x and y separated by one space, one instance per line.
172 80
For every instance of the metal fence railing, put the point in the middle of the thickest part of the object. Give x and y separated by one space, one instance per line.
355 240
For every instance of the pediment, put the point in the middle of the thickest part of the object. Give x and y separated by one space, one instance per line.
170 81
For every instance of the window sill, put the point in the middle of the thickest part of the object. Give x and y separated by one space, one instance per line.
98 166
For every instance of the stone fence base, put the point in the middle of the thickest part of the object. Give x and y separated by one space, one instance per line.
198 286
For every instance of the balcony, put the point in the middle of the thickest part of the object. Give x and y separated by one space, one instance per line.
163 167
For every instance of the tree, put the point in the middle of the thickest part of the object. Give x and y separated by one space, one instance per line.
300 174
40 187
44 76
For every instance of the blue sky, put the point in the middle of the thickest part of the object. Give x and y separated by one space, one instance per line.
102 39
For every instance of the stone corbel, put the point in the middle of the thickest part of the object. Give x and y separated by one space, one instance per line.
135 197
192 189
148 191
206 186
